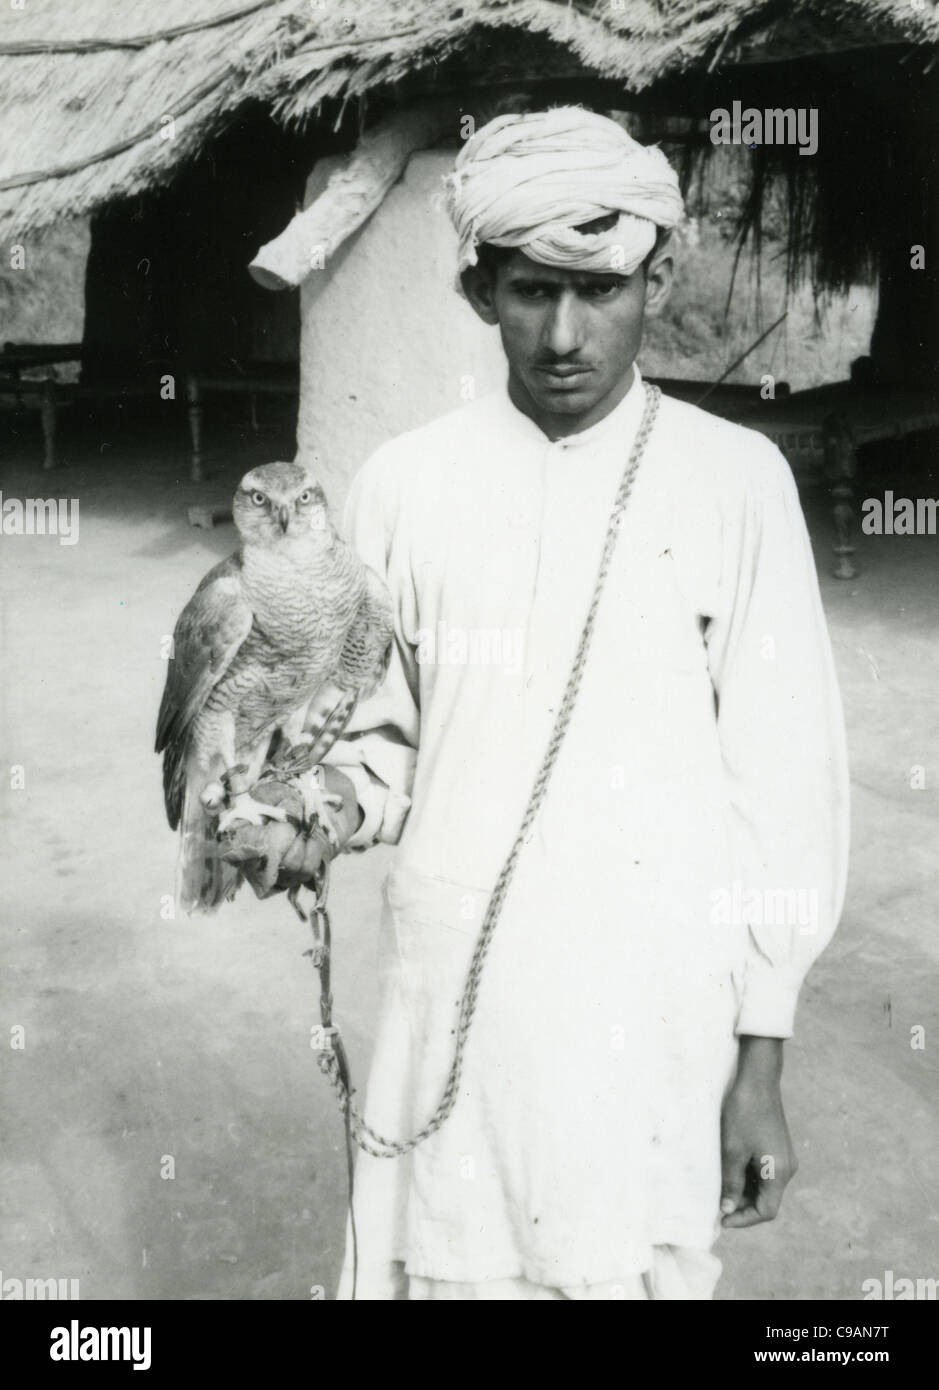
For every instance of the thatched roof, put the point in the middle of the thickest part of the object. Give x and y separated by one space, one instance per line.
83 86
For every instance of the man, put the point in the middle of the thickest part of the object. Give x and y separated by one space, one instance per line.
619 1095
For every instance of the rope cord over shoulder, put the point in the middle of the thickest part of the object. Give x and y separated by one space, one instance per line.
332 1061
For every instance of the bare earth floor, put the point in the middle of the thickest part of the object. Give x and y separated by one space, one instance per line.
149 1040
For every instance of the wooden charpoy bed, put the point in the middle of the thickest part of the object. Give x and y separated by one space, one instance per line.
820 431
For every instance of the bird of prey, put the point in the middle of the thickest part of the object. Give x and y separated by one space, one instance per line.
292 622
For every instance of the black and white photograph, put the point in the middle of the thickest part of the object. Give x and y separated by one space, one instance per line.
469 661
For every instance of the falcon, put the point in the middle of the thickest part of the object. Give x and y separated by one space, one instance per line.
284 636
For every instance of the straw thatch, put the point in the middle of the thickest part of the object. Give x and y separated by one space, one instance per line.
84 87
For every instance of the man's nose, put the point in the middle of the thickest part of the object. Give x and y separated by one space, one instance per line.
564 330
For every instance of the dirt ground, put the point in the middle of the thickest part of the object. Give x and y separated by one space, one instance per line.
149 1039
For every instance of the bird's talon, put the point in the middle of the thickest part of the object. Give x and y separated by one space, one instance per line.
317 803
251 812
332 839
213 796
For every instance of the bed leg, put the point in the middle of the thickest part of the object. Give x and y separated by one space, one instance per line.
47 417
194 398
841 474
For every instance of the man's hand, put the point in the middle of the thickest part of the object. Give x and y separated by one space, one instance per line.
757 1157
279 854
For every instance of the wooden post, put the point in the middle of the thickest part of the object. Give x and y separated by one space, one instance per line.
357 184
841 472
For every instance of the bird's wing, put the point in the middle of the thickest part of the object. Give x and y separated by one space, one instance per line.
210 630
362 667
367 649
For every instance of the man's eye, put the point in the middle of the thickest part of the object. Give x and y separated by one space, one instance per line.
530 291
606 291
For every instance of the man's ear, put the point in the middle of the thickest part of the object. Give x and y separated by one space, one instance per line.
659 276
478 285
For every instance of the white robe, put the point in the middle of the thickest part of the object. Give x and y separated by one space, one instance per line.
703 770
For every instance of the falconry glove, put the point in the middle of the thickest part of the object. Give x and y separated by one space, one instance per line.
282 854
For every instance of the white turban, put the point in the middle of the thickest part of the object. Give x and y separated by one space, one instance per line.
529 181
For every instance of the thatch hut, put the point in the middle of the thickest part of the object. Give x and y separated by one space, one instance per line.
189 133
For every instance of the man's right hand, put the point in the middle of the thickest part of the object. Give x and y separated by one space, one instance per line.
280 854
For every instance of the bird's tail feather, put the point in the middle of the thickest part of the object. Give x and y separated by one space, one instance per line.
327 724
203 880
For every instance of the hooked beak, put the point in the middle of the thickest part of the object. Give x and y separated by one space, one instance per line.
283 516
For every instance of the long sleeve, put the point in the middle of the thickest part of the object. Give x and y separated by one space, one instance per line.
782 743
378 751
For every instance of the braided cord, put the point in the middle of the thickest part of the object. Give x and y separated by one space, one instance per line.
365 1136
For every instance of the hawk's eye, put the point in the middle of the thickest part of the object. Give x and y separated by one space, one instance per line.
306 496
258 499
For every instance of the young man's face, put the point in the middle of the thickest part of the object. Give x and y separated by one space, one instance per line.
570 336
